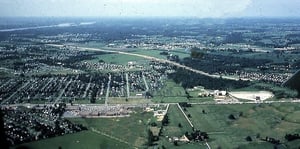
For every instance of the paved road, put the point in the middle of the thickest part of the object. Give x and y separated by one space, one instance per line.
154 104
62 92
50 80
87 88
150 58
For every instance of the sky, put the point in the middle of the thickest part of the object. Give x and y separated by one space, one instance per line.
151 8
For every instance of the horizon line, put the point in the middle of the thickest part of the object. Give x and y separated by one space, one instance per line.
158 17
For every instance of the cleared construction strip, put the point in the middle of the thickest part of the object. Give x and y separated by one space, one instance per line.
127 85
185 116
107 91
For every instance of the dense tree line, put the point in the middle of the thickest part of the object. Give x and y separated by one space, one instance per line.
185 104
219 63
293 82
197 135
197 52
190 79
165 120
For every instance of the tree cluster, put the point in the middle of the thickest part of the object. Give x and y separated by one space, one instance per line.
197 135
181 75
185 104
196 53
271 140
291 137
165 120
151 138
213 63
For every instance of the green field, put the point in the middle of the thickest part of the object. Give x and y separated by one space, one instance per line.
194 97
256 121
117 58
172 129
148 52
123 132
131 129
156 53
171 92
122 100
81 140
176 117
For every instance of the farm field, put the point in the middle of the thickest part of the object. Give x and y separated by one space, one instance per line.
132 130
117 58
122 100
85 139
256 121
126 132
156 53
171 92
148 52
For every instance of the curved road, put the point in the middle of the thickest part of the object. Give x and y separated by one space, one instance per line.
150 58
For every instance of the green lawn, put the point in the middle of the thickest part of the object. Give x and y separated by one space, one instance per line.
81 140
171 92
180 52
131 129
156 53
176 117
122 100
149 52
117 58
195 97
123 133
272 120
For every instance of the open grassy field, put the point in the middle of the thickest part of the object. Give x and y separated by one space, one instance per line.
92 44
81 140
122 100
149 52
195 98
117 58
180 52
171 92
102 133
272 120
173 130
156 53
176 117
131 129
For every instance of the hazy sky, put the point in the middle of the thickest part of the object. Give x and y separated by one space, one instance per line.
140 8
